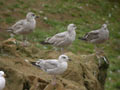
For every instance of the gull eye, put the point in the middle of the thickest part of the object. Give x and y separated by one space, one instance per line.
73 25
33 14
64 57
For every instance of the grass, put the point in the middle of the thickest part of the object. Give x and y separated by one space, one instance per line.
87 15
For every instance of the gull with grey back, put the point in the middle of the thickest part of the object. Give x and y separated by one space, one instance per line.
63 39
53 66
2 80
24 26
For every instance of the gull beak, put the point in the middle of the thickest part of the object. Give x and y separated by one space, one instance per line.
37 17
70 59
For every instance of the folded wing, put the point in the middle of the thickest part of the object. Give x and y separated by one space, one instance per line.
56 39
17 27
91 36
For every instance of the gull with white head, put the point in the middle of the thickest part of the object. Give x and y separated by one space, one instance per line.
24 26
2 80
63 39
53 66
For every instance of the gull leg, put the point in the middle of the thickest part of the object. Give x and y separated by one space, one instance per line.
96 50
98 54
62 50
25 43
54 80
102 49
56 49
11 35
24 38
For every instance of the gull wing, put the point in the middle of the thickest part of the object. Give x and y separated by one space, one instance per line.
47 64
92 35
57 38
17 26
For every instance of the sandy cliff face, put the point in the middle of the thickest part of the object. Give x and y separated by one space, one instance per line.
83 73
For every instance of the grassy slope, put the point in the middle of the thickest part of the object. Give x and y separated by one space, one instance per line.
86 14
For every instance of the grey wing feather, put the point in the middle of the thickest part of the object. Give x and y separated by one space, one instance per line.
60 35
50 64
17 26
56 38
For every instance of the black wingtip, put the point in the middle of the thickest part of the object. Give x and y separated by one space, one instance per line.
81 38
33 63
9 30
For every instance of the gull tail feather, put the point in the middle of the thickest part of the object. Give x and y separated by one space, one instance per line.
34 64
44 43
9 30
82 38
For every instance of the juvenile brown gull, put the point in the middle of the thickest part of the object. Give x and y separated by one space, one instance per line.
63 39
97 36
24 26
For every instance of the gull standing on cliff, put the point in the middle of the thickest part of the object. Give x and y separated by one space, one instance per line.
63 39
2 80
97 36
24 26
53 66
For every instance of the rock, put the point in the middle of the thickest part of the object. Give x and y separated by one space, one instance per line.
58 86
9 46
83 73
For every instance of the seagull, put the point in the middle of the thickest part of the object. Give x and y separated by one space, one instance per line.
2 80
24 26
53 66
97 36
63 39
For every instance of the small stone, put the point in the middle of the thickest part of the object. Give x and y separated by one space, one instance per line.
41 12
109 79
26 60
45 47
110 72
109 15
45 18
